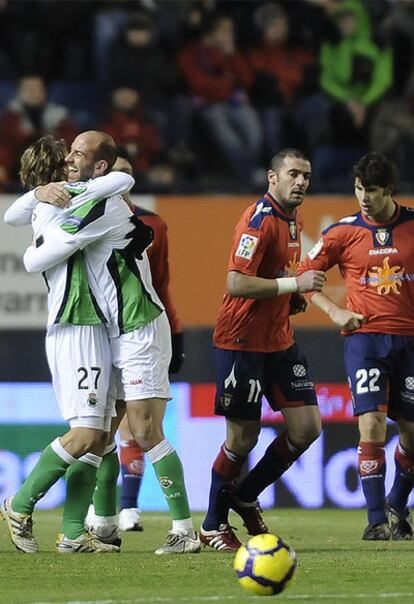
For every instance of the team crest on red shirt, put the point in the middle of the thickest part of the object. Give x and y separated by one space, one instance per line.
382 236
293 229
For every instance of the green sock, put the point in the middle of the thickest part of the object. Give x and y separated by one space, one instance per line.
80 483
50 467
104 496
169 471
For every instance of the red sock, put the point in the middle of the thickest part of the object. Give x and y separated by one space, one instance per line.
371 458
405 459
228 464
132 470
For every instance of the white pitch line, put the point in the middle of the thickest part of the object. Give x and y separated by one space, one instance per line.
166 600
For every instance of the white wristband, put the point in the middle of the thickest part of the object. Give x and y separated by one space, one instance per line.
286 285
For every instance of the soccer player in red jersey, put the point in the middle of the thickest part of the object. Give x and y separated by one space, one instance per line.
255 352
374 250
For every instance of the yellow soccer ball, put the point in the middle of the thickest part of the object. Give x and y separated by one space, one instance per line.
265 565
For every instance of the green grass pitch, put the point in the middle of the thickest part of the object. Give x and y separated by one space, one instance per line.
335 566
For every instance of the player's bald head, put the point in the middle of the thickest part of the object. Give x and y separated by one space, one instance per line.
101 144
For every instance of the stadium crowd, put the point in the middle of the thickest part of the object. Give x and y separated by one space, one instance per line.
200 94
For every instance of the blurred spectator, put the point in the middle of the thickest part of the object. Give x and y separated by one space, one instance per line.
316 23
218 77
356 74
130 127
47 37
137 60
401 16
109 19
392 132
286 87
29 116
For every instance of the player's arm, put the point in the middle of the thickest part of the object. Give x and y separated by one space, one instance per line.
49 250
324 255
59 194
20 212
345 319
240 285
86 224
250 247
113 183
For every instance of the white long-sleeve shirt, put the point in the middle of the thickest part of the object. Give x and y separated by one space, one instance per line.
105 281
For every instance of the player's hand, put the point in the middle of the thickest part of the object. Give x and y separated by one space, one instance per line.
298 304
310 281
347 319
54 193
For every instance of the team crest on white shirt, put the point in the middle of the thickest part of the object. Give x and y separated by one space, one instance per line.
247 246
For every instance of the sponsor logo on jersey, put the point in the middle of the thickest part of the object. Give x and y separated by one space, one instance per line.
382 251
386 278
293 244
293 229
292 266
75 220
165 482
382 236
92 399
247 246
316 249
136 382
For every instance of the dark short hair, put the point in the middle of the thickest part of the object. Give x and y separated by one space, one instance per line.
107 151
43 162
376 170
278 159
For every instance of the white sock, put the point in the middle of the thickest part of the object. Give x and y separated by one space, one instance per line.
183 527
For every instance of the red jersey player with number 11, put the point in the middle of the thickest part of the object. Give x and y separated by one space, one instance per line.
255 352
374 250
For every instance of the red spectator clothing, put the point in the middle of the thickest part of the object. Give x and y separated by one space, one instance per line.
377 264
140 138
266 244
286 64
17 132
212 75
158 259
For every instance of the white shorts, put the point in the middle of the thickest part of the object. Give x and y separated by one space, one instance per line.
79 358
141 359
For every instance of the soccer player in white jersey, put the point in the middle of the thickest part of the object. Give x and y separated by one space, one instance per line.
78 354
118 270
